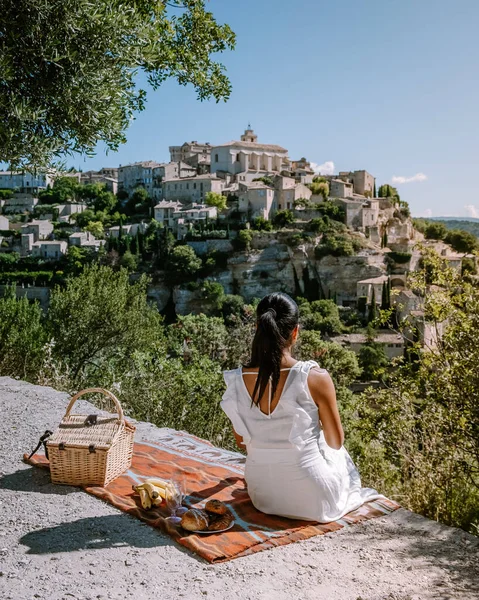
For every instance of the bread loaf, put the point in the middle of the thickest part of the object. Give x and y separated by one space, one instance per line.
221 522
195 520
216 507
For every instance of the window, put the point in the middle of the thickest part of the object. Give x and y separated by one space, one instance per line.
187 186
176 186
194 186
216 158
288 205
201 186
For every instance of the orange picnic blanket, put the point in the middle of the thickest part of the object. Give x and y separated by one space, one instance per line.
212 472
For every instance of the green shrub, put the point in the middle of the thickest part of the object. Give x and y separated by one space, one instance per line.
399 257
334 245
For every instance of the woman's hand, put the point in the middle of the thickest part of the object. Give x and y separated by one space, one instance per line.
323 393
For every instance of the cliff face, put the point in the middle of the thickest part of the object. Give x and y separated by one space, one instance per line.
278 267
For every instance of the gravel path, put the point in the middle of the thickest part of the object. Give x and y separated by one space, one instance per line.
59 543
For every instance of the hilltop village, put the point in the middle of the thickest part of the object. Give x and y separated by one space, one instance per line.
239 219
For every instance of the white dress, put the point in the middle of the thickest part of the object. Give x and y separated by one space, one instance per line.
290 470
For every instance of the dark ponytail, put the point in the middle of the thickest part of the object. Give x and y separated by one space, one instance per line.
277 316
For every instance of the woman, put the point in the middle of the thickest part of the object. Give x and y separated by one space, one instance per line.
284 413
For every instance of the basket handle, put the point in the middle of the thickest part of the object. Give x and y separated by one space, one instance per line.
107 393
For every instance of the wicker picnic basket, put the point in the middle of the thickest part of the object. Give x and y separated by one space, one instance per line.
90 449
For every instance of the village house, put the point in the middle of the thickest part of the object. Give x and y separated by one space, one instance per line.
256 199
362 182
50 250
365 287
40 229
20 203
288 190
302 172
139 174
84 239
24 182
170 171
194 154
392 343
4 224
192 189
247 159
65 211
108 176
187 218
360 213
164 212
130 229
340 189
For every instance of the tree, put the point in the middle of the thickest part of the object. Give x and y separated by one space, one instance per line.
215 199
283 218
65 189
388 191
69 70
183 261
262 224
139 201
84 218
373 309
22 336
129 261
420 436
98 317
372 359
435 231
96 229
244 239
461 241
320 188
374 191
77 259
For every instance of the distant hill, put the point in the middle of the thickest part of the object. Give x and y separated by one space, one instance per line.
469 224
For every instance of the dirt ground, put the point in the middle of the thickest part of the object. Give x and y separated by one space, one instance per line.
59 543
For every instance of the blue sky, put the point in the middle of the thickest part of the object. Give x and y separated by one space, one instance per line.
390 86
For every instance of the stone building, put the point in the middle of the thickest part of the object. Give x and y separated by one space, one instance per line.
107 176
248 159
362 181
136 175
288 190
170 171
194 154
392 343
256 199
40 229
192 189
4 223
365 288
26 183
340 189
51 250
164 212
20 203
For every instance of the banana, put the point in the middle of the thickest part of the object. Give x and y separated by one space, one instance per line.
160 483
144 497
152 490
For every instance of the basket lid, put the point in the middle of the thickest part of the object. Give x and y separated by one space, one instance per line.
75 431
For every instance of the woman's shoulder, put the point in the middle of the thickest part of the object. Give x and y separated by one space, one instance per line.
230 375
311 367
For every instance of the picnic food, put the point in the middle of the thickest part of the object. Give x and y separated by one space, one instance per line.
195 520
152 492
216 507
221 522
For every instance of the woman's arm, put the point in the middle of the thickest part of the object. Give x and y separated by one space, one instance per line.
323 393
239 441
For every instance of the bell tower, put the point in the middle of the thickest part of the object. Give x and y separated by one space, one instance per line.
249 135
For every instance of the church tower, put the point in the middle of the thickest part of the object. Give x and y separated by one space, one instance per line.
249 135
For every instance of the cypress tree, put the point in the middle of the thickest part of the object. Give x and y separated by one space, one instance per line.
374 191
384 297
372 307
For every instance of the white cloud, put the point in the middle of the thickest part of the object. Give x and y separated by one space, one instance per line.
472 211
401 179
426 213
327 168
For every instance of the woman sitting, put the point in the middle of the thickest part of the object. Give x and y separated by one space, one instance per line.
284 413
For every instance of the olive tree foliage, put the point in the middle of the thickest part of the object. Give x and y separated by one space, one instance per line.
420 435
98 319
68 69
22 336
